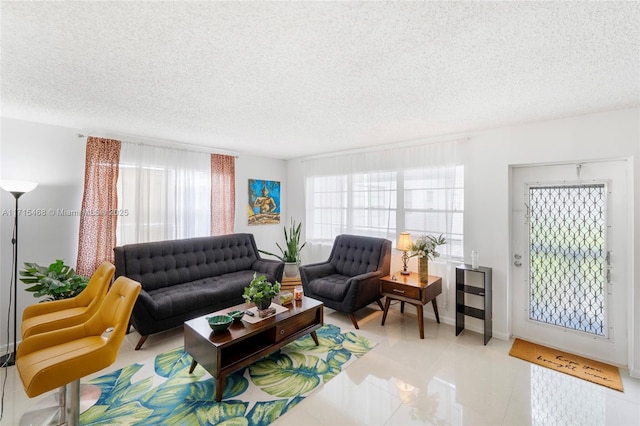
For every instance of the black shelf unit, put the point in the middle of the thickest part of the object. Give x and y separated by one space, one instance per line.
462 288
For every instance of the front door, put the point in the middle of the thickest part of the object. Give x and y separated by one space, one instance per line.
570 257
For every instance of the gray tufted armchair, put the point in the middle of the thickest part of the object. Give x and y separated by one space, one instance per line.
350 279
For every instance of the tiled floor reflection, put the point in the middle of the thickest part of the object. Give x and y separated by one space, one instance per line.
551 394
441 380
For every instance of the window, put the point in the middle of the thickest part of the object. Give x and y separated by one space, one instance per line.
434 204
163 194
425 199
568 256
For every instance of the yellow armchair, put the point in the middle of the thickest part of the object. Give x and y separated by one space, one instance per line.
56 358
47 316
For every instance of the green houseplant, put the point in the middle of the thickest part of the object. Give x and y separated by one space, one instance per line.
260 291
291 254
55 282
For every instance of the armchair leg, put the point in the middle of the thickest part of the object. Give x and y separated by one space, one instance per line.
354 321
141 342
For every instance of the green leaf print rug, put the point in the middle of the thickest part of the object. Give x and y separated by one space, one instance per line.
163 392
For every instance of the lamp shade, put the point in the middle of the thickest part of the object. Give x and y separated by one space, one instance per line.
21 186
404 241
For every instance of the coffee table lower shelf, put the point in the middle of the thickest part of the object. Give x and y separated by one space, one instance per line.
222 353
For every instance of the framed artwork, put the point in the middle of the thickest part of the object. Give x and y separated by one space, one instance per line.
264 202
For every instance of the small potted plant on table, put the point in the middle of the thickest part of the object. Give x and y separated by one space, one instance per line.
260 291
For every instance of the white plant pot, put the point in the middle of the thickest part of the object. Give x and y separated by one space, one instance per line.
290 270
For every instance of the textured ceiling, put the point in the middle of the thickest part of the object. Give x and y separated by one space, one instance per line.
291 79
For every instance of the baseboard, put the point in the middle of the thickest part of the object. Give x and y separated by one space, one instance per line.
452 321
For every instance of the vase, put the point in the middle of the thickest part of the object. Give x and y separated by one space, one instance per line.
423 269
291 270
263 304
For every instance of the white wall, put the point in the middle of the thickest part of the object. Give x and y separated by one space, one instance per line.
54 157
251 167
487 158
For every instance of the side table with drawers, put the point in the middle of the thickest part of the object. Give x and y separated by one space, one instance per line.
409 288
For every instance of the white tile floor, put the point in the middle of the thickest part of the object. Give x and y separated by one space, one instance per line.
441 380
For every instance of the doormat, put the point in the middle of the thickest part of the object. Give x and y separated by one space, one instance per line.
161 391
564 362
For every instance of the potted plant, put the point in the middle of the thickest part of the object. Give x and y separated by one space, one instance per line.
291 255
425 248
260 291
55 282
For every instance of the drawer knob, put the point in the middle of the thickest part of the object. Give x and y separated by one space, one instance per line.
282 332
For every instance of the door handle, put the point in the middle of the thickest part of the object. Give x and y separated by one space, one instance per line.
517 256
517 263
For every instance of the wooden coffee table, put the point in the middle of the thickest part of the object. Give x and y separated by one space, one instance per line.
222 353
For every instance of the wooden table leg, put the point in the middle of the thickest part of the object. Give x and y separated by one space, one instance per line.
402 307
193 366
435 309
314 336
420 320
386 309
220 382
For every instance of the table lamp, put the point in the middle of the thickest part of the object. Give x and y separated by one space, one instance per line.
404 245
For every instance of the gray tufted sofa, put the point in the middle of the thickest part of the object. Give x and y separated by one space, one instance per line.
350 279
184 279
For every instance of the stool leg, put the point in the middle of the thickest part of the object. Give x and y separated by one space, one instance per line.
62 402
73 409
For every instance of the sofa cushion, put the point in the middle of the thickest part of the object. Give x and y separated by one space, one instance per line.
195 295
332 287
162 264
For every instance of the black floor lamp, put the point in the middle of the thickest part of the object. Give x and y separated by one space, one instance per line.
17 188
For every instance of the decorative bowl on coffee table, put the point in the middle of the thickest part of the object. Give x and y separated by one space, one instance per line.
236 315
220 322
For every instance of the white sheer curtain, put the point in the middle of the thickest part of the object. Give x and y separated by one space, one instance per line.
381 193
164 193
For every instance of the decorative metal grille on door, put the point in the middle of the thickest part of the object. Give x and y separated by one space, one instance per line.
568 262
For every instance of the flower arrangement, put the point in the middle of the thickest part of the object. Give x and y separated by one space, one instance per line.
425 246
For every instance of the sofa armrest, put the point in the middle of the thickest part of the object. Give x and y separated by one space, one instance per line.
310 272
269 266
364 288
363 278
47 307
145 299
48 339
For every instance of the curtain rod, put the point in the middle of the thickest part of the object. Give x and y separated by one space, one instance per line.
166 143
403 144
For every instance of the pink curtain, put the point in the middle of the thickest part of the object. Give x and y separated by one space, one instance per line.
223 194
97 226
